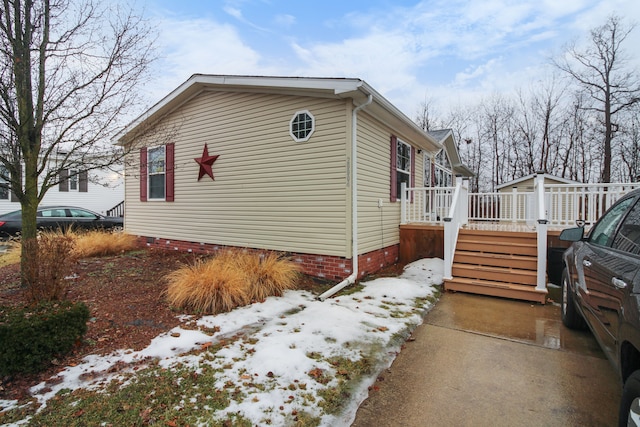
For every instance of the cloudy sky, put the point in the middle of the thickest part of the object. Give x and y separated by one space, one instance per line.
448 51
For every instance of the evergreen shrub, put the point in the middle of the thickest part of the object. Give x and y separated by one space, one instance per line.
33 336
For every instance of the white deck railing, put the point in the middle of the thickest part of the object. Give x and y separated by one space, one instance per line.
564 204
561 205
568 203
426 205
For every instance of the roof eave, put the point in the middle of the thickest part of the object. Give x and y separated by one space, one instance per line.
343 88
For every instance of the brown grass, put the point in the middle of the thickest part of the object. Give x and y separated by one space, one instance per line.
102 243
232 278
273 275
12 255
55 262
207 287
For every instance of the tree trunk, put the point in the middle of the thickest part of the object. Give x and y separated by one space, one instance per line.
608 136
29 257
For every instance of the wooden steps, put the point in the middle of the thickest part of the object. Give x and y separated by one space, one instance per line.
496 263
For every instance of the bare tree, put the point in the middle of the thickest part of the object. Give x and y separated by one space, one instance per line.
69 70
426 117
600 68
630 149
496 131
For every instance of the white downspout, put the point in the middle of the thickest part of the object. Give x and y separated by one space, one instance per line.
354 203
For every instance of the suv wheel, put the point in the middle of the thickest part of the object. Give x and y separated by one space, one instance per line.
571 318
630 402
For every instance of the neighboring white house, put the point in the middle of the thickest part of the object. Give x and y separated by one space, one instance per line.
309 166
97 190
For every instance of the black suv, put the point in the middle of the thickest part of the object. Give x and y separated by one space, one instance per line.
601 287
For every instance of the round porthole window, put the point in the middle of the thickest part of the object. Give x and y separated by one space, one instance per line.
301 126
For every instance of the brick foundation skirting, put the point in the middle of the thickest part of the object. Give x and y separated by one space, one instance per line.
322 266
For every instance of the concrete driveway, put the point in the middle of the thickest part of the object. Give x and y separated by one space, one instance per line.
482 361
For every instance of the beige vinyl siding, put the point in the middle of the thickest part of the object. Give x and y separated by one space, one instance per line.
269 192
377 227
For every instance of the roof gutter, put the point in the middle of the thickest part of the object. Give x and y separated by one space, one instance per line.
354 202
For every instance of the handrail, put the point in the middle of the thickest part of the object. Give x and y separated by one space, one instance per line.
458 216
117 210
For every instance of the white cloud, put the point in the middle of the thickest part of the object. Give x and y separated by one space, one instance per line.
454 48
200 46
235 12
474 73
387 61
285 20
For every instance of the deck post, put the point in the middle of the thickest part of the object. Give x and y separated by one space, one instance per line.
541 282
403 203
514 204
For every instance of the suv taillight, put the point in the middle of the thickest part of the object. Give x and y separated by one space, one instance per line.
2 223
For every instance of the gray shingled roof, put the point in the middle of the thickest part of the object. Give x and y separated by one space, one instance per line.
439 134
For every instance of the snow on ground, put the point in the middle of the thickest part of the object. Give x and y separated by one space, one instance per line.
284 340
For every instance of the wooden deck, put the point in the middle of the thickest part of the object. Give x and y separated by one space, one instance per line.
495 259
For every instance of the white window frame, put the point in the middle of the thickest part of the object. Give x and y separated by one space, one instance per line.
162 172
293 120
74 180
442 175
399 170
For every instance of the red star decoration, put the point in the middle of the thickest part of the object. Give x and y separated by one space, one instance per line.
205 162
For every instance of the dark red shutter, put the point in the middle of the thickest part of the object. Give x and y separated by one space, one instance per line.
143 174
83 182
170 176
64 180
393 194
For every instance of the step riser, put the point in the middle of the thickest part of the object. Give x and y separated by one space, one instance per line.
519 277
503 292
493 247
489 261
496 235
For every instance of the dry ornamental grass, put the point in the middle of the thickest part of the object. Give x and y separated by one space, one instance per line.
229 280
101 243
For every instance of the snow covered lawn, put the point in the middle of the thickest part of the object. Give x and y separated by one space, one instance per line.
291 360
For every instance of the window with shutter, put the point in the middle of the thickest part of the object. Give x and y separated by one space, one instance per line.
402 167
157 173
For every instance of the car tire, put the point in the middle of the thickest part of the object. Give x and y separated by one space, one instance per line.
630 403
571 317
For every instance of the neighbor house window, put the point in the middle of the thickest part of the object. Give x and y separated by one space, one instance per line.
301 126
403 166
73 180
156 172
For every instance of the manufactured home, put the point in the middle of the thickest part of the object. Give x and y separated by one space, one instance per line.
312 167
